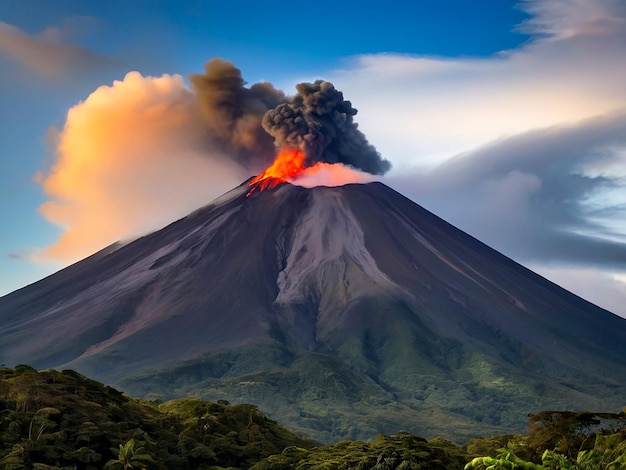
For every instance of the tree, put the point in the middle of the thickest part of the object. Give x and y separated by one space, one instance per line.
14 460
129 457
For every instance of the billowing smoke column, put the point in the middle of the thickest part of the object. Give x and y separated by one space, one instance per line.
249 124
232 113
319 123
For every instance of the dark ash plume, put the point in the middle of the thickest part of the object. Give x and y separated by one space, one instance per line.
247 124
233 113
319 122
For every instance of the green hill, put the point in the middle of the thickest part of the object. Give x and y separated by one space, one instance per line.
52 419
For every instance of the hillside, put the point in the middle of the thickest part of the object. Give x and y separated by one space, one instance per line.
63 419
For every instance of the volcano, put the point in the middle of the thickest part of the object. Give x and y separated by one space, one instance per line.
342 312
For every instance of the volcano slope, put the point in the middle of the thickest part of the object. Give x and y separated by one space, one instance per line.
341 312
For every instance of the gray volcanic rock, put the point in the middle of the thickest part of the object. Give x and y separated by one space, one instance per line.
341 312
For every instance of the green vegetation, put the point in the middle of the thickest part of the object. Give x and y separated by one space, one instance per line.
603 458
129 456
63 420
52 419
584 441
402 451
558 440
429 387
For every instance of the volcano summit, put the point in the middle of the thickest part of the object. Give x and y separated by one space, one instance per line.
342 312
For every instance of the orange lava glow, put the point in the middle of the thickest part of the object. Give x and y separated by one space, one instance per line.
288 164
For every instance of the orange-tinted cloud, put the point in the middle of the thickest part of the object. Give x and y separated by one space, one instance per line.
132 157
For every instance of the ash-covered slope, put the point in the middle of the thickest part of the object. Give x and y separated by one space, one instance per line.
341 312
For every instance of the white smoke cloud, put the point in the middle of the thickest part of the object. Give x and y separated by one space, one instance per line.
335 174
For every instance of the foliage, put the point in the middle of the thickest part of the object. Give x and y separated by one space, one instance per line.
606 450
62 420
552 460
52 419
509 443
233 436
504 460
609 453
402 451
130 457
394 376
568 432
318 394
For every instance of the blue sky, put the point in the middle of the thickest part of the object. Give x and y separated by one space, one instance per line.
505 118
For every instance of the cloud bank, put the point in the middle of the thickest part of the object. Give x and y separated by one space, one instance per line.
525 150
547 195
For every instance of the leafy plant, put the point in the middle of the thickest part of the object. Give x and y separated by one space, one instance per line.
130 457
504 461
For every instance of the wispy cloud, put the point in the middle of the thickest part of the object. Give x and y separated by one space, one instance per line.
419 111
48 53
563 19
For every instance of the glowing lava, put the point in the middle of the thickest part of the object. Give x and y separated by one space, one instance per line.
288 164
